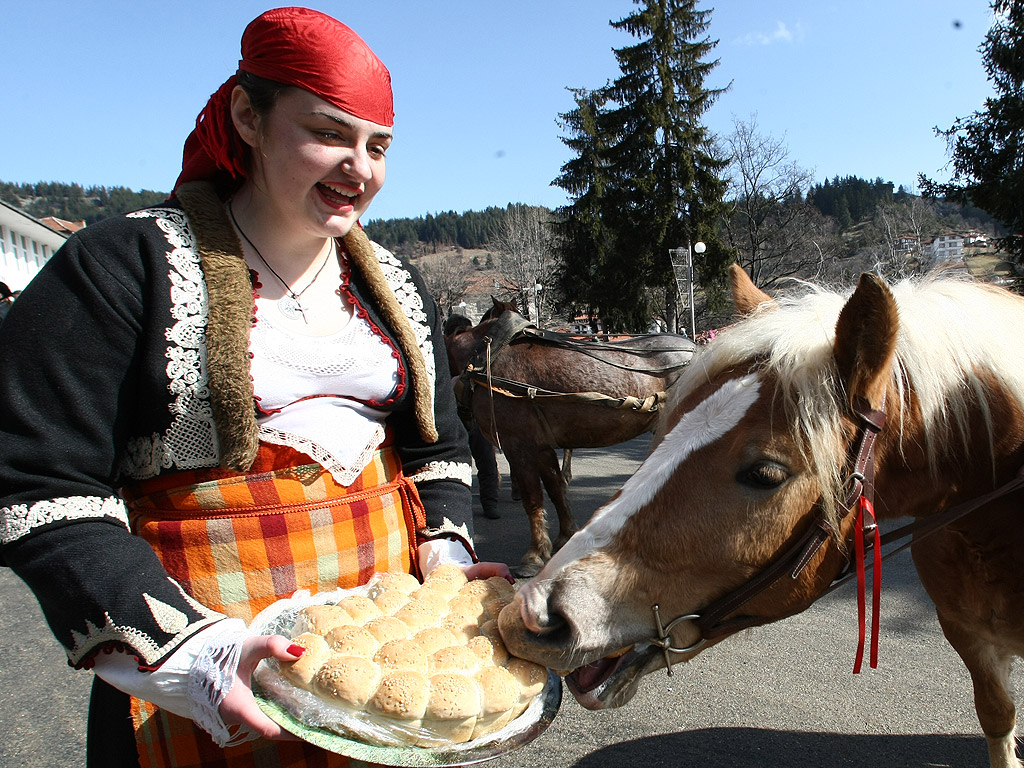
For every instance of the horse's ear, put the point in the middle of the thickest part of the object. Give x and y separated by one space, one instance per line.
746 296
866 339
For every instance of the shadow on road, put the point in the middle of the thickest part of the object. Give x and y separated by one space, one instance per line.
729 747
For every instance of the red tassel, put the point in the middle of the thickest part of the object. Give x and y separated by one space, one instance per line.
876 585
858 550
864 505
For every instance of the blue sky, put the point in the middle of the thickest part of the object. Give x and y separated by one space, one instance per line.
104 92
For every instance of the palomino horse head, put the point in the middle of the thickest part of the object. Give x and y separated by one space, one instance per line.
754 451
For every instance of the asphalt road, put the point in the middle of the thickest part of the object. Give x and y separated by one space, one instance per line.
781 696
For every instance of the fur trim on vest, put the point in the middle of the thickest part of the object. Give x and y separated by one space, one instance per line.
360 251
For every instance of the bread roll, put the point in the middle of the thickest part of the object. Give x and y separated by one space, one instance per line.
470 605
499 700
360 608
463 625
302 670
531 677
493 607
390 600
402 654
405 583
387 628
452 708
403 696
350 680
454 658
352 640
482 589
419 614
491 651
318 619
434 639
436 600
502 588
447 578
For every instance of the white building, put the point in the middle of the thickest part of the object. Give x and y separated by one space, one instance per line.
945 249
26 244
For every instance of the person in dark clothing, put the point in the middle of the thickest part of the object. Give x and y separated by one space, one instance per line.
483 452
6 300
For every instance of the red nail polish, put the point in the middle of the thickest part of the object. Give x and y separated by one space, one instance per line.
296 650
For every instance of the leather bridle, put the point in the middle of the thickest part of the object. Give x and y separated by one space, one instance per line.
713 622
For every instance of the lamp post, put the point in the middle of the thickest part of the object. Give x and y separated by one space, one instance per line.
537 288
697 247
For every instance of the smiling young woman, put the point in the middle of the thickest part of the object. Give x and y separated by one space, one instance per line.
240 397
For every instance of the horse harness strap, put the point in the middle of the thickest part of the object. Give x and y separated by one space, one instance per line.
591 349
712 624
517 389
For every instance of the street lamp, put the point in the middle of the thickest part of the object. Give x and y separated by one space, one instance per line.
537 288
698 247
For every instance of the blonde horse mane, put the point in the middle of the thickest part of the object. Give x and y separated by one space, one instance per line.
957 339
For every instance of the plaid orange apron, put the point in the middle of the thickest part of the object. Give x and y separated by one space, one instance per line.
236 543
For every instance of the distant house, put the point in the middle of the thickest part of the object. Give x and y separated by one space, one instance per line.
907 244
945 248
26 244
582 326
62 225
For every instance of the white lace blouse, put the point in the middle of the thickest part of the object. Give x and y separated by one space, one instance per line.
298 380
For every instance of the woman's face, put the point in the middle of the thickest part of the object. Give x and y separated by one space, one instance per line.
316 166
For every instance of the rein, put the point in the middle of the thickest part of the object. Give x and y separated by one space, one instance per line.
712 624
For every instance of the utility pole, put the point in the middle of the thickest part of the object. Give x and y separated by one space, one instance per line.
682 269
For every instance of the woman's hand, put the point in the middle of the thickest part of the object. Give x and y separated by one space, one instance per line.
486 570
239 707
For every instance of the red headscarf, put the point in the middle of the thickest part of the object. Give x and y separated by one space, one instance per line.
293 46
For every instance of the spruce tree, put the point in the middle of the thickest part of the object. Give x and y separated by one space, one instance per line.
582 240
659 180
987 148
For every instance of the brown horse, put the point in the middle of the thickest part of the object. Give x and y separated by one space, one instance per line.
533 392
757 498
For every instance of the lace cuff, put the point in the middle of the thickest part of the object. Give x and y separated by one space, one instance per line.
210 678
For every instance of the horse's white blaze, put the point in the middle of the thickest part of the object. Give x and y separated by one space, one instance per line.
702 426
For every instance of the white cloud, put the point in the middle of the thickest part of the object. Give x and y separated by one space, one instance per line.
781 34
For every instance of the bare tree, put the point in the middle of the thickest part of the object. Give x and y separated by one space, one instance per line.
526 256
775 233
896 230
447 278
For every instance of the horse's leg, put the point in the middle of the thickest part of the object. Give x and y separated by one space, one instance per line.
526 476
555 485
990 674
965 616
567 465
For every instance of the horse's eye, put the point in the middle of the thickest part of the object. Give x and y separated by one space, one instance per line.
765 474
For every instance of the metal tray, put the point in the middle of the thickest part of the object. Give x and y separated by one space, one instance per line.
279 618
521 731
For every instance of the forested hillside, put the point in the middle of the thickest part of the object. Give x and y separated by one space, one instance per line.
73 202
850 200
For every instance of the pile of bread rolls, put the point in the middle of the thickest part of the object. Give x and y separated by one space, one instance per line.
424 662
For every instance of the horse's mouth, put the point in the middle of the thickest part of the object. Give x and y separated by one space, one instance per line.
611 682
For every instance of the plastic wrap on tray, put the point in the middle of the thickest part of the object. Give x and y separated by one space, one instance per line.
396 663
